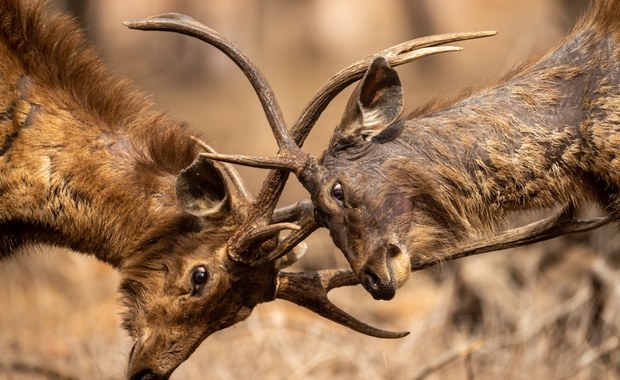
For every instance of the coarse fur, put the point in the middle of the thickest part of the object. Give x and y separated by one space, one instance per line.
546 134
87 164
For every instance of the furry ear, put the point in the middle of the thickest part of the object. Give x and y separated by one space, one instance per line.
375 104
201 189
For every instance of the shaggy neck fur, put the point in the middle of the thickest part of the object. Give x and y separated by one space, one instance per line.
547 134
77 145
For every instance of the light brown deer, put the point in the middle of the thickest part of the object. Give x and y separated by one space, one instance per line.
87 164
396 191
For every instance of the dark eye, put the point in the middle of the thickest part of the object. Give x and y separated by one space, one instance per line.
199 278
338 192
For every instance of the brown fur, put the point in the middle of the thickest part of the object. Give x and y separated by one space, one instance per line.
547 134
85 163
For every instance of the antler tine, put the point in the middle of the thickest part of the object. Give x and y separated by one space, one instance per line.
293 212
309 290
235 179
561 223
307 226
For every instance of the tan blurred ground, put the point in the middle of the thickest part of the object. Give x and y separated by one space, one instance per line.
548 311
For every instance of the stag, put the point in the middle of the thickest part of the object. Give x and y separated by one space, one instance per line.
446 177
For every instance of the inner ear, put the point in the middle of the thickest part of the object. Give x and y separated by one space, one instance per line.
374 105
201 189
380 97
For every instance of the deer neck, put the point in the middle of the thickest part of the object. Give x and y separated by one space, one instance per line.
520 145
73 179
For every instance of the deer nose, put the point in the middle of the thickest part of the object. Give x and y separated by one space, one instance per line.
146 374
380 287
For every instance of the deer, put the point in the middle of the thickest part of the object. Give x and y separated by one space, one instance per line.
399 190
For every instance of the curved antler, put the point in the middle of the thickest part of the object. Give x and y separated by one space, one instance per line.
310 289
178 23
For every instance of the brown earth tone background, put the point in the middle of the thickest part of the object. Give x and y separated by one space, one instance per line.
548 311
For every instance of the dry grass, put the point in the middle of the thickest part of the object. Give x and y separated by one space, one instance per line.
518 314
547 311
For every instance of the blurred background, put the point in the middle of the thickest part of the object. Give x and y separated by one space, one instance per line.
550 310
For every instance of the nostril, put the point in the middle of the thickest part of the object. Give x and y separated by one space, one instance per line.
378 288
370 280
393 251
145 374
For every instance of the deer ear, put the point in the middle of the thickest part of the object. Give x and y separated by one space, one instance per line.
375 104
201 189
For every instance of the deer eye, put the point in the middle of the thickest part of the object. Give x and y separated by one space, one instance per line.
200 276
338 193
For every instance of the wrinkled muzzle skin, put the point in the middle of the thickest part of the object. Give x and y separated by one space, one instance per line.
365 225
167 325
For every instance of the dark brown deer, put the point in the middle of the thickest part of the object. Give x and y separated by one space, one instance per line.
87 164
396 191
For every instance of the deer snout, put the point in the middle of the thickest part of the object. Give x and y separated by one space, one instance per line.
385 272
142 367
147 374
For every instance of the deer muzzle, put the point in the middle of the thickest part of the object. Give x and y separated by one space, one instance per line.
147 374
385 271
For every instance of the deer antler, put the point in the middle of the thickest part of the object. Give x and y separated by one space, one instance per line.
309 289
290 286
